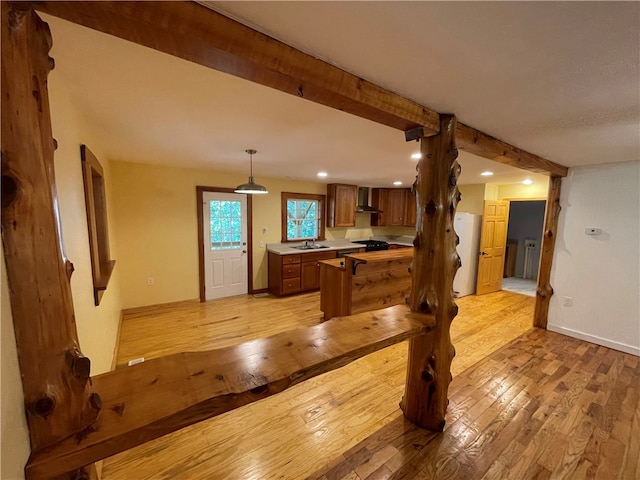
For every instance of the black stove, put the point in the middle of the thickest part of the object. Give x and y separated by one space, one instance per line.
373 245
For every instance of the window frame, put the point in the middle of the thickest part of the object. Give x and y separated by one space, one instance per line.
97 223
321 199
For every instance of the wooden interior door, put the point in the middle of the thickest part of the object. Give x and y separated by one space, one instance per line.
493 241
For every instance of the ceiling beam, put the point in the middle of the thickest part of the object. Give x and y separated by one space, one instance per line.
198 34
474 141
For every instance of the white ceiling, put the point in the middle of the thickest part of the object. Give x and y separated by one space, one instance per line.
559 79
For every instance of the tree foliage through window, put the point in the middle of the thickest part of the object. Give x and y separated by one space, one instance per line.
226 224
302 219
303 216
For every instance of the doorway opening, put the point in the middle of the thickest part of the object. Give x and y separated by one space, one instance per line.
524 241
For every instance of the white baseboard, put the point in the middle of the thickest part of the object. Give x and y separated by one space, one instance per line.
594 339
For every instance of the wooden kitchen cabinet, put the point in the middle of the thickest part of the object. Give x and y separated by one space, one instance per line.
409 208
341 205
379 201
392 203
395 206
295 273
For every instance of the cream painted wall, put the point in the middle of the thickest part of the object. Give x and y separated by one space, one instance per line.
601 273
490 191
473 197
14 438
156 223
363 230
97 326
518 191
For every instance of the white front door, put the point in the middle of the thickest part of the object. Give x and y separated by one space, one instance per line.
225 244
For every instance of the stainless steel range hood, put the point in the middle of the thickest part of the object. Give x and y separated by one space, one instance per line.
363 202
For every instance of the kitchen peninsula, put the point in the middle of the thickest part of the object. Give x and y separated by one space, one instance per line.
360 282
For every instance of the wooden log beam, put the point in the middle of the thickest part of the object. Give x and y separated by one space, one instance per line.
160 396
544 290
474 141
435 262
196 33
55 375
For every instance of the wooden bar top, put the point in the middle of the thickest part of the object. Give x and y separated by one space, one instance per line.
334 262
382 255
162 395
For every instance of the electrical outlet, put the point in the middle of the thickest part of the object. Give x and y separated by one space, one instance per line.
261 244
149 281
567 301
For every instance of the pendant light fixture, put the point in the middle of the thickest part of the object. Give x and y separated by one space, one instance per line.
251 187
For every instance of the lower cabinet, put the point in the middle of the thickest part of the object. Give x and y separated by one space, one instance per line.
295 273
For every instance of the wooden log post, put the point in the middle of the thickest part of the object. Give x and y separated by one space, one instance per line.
434 266
55 376
544 290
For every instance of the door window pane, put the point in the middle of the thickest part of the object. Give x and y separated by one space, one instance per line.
225 217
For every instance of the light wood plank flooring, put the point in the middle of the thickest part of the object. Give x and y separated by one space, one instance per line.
314 428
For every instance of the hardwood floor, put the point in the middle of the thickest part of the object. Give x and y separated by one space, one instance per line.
511 414
544 406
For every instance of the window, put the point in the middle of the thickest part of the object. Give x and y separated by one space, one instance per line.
302 216
226 224
96 205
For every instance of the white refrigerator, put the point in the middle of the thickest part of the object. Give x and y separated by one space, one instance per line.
467 226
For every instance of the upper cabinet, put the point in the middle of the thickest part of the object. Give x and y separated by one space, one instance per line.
380 201
409 208
397 206
341 205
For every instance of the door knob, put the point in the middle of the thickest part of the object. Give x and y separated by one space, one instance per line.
482 253
244 251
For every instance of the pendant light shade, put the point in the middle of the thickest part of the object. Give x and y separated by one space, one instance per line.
251 187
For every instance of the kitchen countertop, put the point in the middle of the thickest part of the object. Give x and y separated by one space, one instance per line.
397 239
381 255
334 263
369 257
332 245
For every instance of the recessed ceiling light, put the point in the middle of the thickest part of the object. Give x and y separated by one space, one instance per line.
527 181
486 174
416 156
397 182
322 174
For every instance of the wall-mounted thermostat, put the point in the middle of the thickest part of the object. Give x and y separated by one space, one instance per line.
592 231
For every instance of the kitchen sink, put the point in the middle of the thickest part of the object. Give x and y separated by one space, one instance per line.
310 247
